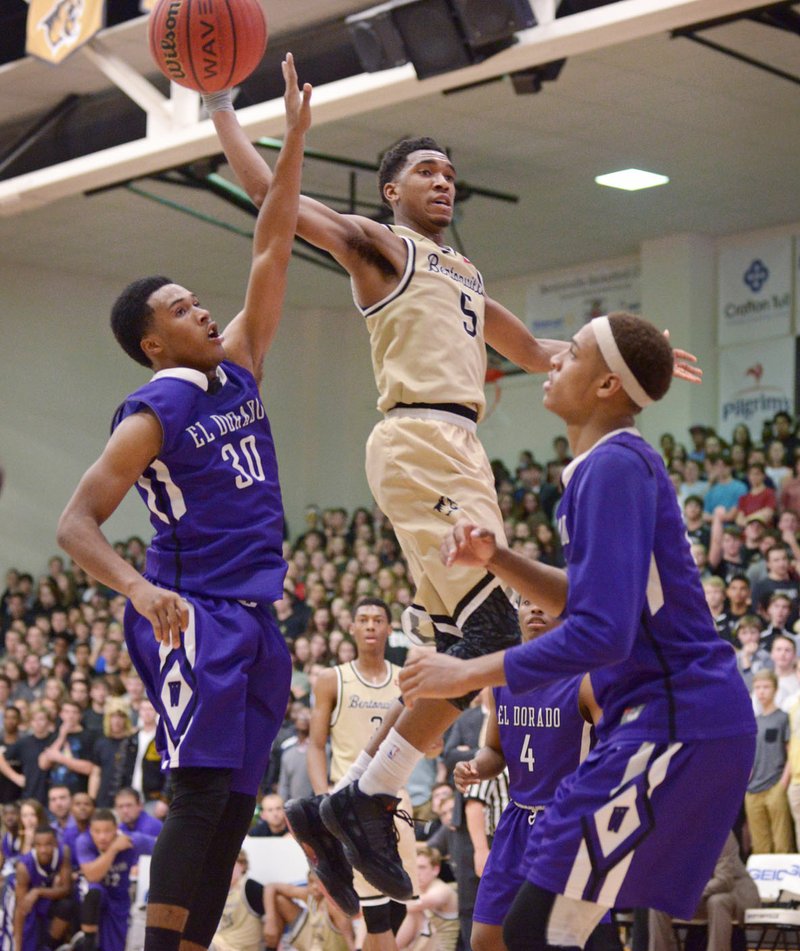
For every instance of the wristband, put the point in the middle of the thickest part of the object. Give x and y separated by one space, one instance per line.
221 101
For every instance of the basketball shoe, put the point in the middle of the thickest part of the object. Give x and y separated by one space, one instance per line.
324 852
365 826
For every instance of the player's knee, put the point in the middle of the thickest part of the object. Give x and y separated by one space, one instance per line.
486 937
91 907
525 925
200 793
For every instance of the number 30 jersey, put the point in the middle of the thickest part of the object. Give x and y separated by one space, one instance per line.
543 736
212 491
427 334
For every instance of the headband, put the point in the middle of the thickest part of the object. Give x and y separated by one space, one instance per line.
616 362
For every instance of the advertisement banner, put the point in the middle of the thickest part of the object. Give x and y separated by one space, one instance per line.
756 380
560 303
755 290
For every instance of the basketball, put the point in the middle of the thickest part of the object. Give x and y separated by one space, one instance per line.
207 45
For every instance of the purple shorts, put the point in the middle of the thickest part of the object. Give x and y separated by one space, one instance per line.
504 871
222 694
641 825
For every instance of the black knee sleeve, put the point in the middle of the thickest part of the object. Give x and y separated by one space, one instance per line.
525 926
209 901
91 907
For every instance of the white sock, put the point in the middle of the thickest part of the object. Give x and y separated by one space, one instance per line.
355 772
391 766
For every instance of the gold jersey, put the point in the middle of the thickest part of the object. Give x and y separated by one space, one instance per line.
427 334
359 711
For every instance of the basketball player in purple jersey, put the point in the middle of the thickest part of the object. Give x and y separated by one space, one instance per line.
429 319
196 442
106 856
676 738
42 885
540 736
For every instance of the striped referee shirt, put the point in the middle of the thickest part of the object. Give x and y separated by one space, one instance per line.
493 793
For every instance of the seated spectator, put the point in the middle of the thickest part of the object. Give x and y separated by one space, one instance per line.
42 891
31 686
766 803
779 610
240 927
132 817
752 536
760 500
728 893
776 468
779 580
31 817
790 491
93 717
692 483
751 656
106 857
738 598
59 807
293 781
431 922
788 525
700 558
272 818
783 654
696 526
714 590
148 779
725 548
317 923
725 491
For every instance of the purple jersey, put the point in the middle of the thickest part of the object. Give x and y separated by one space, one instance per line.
41 876
635 615
543 737
144 823
116 882
212 492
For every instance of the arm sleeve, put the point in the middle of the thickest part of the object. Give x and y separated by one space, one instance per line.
611 544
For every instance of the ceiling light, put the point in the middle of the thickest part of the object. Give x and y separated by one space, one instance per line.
631 179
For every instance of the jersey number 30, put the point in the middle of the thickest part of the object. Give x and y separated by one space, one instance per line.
246 461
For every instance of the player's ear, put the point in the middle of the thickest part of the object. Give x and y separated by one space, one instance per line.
151 346
609 386
390 192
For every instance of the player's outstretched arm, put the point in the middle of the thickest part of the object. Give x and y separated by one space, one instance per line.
131 448
511 338
250 334
343 236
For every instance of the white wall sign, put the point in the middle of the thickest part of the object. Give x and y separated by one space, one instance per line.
756 380
560 303
755 290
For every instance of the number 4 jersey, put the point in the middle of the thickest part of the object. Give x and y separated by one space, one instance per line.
544 737
212 491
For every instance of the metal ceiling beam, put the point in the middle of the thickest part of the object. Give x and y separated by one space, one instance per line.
615 23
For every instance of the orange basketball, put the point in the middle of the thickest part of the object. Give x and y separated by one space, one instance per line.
207 45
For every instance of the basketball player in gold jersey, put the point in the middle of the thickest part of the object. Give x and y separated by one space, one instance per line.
429 320
350 703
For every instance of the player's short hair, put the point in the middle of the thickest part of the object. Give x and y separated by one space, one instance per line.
45 830
646 351
131 315
103 815
395 159
374 602
128 791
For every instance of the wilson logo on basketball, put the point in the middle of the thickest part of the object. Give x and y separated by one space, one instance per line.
169 43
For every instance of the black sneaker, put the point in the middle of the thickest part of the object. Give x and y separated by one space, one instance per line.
324 852
365 826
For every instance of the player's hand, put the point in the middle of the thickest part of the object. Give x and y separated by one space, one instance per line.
296 101
428 674
683 367
121 842
165 610
465 774
29 900
272 933
468 544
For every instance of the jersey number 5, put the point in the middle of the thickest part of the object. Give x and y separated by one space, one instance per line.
246 462
471 327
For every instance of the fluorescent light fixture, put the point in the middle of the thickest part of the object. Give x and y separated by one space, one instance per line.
631 179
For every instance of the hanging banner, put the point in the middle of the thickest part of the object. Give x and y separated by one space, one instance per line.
560 303
755 290
756 380
56 28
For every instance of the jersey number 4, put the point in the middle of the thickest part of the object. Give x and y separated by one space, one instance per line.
246 461
526 753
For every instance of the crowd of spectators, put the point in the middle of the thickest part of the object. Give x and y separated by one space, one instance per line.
73 713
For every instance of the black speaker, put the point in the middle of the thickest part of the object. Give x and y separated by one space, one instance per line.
529 81
489 23
376 40
432 36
